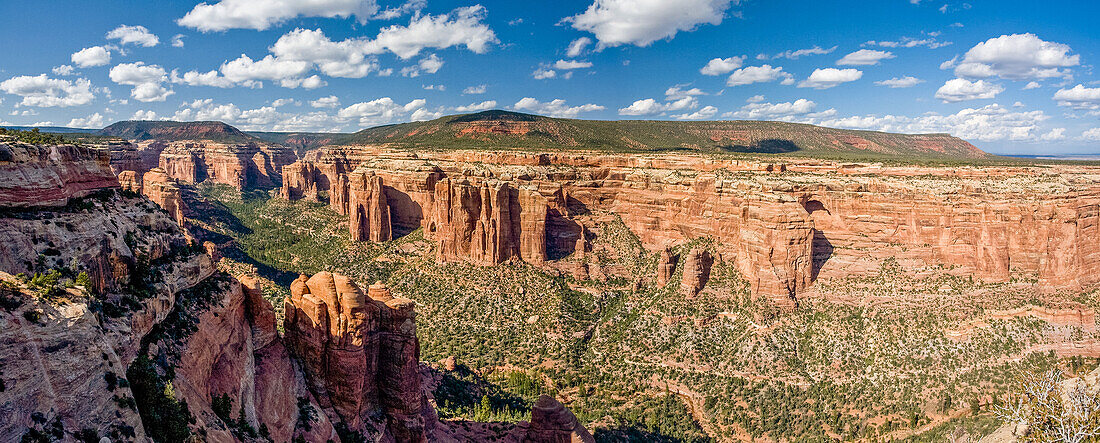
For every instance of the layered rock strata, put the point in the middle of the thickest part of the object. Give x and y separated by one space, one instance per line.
666 266
162 190
44 176
782 224
237 165
360 352
696 272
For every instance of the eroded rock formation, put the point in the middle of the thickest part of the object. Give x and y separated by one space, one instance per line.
488 223
696 272
781 225
43 176
163 191
551 422
368 208
130 181
360 353
237 165
666 266
161 316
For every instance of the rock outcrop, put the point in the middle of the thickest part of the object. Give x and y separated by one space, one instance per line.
159 328
130 181
551 422
666 266
696 272
45 176
162 190
237 165
360 353
369 209
488 223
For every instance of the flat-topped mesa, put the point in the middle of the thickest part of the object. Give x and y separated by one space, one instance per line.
821 219
360 352
48 176
162 190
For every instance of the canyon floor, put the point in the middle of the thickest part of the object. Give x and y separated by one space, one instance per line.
902 351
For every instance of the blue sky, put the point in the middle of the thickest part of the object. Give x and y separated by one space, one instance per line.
1009 76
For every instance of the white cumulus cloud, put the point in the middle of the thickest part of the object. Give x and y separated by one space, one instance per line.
93 56
830 77
462 27
722 66
571 64
64 70
642 22
705 113
1017 57
475 107
381 111
770 111
554 108
865 57
651 106
44 92
260 15
133 35
1079 97
900 82
147 81
94 121
957 90
326 102
756 74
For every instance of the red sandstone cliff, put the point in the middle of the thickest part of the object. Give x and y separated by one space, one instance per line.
781 225
162 190
39 176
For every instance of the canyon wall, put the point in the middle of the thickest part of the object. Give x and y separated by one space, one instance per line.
42 176
360 354
161 345
241 165
783 224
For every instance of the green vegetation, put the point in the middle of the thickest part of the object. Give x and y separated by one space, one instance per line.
644 363
33 136
726 137
166 419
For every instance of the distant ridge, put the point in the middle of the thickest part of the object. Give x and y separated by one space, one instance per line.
498 129
174 131
508 130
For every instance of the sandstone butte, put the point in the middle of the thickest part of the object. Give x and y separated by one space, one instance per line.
351 357
782 224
